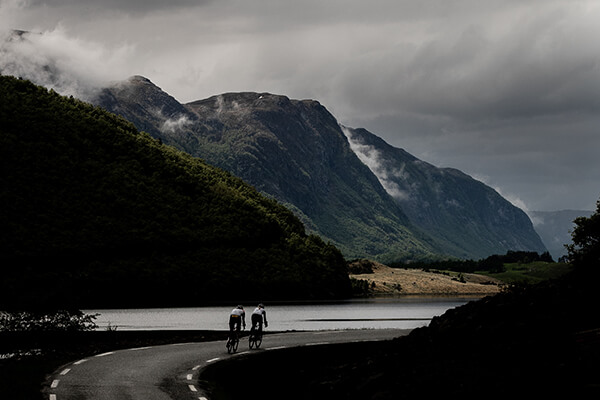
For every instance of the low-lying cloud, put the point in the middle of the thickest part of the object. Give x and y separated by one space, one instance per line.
505 89
175 125
372 158
54 60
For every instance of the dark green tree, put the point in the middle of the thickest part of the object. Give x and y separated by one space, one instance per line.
584 252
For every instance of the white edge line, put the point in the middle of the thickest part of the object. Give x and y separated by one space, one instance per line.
196 368
316 344
276 348
141 348
193 388
54 384
52 397
65 371
80 362
189 377
105 354
212 359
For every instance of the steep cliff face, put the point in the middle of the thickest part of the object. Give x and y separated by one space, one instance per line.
296 152
466 217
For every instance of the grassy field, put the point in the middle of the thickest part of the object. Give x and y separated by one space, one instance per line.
529 273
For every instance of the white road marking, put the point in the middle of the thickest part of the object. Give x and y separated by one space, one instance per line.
54 384
316 344
202 398
52 397
189 377
105 354
141 348
276 348
213 359
65 371
80 362
193 388
195 368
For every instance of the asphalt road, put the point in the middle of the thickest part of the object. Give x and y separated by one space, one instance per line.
170 372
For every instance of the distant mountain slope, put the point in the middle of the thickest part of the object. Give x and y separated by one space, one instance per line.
295 152
96 214
554 227
466 217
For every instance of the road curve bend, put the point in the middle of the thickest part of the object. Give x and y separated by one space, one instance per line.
169 372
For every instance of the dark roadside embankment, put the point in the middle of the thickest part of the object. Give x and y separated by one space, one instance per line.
540 340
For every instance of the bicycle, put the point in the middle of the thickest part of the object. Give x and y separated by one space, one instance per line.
255 338
233 342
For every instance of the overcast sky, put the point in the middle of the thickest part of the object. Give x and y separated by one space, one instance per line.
507 91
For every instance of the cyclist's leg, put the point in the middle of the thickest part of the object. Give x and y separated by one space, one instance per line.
255 321
232 323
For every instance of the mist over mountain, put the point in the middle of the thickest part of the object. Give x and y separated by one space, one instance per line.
298 153
50 59
465 216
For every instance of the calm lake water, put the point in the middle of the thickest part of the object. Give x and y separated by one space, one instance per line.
402 313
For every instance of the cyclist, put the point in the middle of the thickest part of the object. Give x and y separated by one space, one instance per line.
258 315
237 318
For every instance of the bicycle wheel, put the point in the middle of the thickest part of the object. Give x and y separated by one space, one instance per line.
258 340
251 341
235 344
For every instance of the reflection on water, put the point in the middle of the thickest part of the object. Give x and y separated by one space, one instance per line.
402 313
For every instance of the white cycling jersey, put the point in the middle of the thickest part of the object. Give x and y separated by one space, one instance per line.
260 311
238 312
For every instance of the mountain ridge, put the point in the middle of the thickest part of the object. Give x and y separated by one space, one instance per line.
298 153
294 151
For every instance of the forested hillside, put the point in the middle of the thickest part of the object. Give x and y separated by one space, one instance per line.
94 213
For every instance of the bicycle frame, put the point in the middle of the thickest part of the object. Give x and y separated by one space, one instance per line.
255 338
233 341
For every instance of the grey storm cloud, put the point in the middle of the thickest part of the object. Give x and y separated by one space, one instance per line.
507 91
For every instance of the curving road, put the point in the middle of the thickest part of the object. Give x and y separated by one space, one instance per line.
170 371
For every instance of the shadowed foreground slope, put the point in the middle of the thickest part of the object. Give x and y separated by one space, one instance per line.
531 340
526 342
